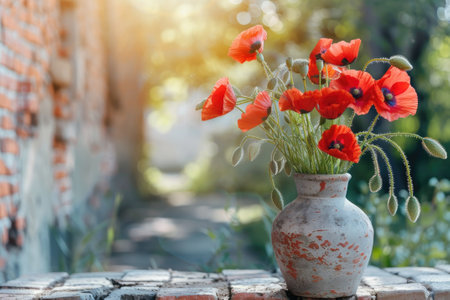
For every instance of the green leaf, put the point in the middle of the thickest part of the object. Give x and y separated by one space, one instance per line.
237 156
412 208
277 199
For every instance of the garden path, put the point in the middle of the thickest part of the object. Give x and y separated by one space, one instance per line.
173 233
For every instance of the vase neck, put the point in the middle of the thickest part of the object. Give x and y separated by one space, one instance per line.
322 185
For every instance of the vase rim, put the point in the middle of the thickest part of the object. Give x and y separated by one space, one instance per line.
338 177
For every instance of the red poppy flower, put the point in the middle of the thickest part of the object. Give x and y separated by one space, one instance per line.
332 103
313 74
246 45
293 99
396 98
360 85
339 141
342 53
221 101
256 112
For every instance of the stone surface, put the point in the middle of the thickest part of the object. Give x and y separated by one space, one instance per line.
410 272
410 291
146 276
378 284
440 290
194 293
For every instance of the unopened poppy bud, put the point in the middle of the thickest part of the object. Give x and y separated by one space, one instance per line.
273 165
375 183
237 156
434 148
289 62
287 169
392 204
277 198
412 208
319 64
400 62
253 150
286 119
260 57
272 83
300 66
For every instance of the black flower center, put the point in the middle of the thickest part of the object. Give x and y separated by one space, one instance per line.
389 98
356 93
269 110
255 46
336 145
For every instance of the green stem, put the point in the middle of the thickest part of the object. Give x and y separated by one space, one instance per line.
381 59
369 130
388 165
405 162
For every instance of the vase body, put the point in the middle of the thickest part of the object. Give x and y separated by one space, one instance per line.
322 242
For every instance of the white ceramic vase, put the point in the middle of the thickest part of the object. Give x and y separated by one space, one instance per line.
322 242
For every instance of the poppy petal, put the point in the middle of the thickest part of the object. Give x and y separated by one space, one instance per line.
397 98
360 85
339 141
332 103
247 44
256 112
342 53
221 101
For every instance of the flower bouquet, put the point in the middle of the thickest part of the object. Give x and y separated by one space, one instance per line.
322 242
308 129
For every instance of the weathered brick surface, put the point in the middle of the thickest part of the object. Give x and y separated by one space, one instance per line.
231 284
53 95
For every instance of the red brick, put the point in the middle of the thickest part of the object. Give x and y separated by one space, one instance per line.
3 211
9 146
4 189
59 158
60 175
7 124
4 170
5 236
6 103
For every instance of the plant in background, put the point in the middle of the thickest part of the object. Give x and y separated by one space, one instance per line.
308 129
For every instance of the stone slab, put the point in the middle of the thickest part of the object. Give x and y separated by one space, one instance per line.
373 281
36 281
410 291
135 293
146 276
409 272
440 290
69 296
364 293
267 291
426 280
194 293
445 268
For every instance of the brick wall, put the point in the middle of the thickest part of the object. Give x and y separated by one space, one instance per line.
55 152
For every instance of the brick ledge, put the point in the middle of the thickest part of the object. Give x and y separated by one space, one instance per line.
382 284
